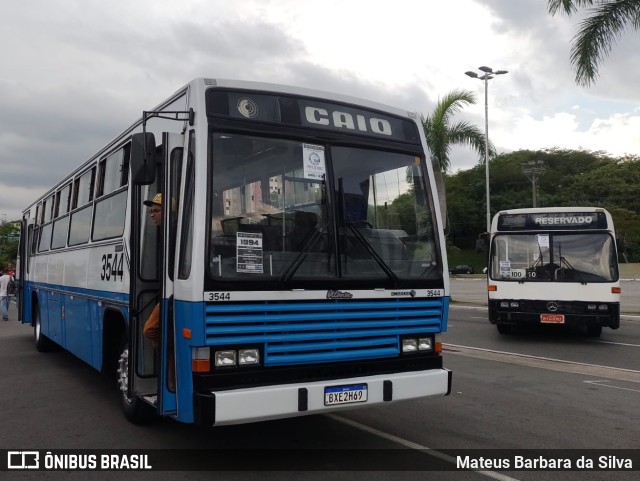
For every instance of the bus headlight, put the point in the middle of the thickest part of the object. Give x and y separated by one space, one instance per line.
248 356
424 343
409 345
225 358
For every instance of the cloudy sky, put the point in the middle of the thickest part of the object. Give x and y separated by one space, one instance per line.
75 73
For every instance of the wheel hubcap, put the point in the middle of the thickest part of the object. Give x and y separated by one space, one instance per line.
123 373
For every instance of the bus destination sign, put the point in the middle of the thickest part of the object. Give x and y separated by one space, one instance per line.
552 221
305 112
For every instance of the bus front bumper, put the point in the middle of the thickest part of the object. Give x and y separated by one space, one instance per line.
572 313
287 400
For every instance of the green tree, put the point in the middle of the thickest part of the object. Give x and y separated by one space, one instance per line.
572 178
627 224
605 23
441 134
9 237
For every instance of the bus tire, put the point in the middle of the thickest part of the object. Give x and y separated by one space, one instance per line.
594 331
504 328
135 409
42 342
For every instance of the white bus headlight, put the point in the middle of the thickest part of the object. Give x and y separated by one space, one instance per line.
248 356
425 344
225 358
409 345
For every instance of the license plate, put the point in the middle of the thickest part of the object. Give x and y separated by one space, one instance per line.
353 393
552 318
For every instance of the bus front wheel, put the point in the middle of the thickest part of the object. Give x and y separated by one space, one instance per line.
134 408
594 331
43 343
504 328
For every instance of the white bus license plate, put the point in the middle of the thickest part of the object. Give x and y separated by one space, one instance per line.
354 393
552 318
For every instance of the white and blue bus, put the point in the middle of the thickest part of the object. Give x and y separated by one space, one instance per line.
554 265
300 267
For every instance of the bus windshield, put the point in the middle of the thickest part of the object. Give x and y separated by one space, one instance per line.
582 258
284 210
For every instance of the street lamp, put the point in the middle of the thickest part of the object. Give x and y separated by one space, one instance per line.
534 169
486 76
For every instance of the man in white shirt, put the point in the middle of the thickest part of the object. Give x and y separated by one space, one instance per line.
5 279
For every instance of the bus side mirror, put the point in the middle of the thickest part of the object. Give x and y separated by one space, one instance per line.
143 161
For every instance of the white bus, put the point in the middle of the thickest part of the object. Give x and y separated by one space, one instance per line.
300 267
555 265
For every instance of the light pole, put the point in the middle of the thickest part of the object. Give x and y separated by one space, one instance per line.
486 76
534 169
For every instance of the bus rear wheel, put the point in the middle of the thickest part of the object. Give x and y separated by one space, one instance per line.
134 408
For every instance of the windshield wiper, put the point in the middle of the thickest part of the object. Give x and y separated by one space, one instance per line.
373 253
306 248
568 266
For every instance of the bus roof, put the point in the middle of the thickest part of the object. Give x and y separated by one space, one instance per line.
533 210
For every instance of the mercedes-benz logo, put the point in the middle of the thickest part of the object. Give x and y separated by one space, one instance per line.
552 307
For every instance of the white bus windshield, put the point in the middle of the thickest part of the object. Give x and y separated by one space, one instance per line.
284 210
545 257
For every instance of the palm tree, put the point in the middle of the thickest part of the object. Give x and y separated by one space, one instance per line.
605 23
441 135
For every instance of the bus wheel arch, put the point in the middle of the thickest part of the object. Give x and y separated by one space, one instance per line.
114 329
134 408
42 342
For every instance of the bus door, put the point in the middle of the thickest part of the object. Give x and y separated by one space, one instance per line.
145 287
154 378
172 161
151 372
22 266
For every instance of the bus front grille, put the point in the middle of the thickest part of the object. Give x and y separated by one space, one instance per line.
322 332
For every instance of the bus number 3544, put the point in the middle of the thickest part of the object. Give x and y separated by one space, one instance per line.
112 267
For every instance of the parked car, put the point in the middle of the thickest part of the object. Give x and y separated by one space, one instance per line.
461 269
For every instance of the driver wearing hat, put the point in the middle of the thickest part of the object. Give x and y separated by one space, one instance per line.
155 208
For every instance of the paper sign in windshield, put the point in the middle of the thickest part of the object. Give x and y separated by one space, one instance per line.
313 161
249 252
543 240
505 268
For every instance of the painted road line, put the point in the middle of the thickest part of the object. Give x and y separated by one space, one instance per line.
412 445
